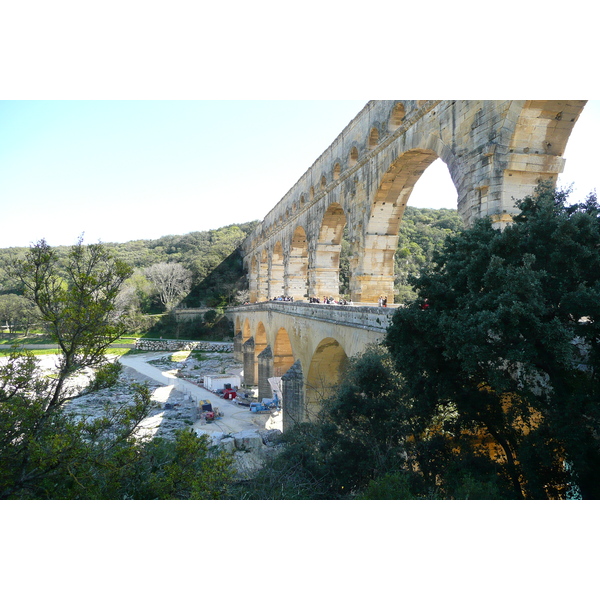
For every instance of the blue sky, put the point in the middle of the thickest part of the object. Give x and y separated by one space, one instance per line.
125 170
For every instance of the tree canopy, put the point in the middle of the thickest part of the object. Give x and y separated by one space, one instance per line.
45 452
487 383
509 343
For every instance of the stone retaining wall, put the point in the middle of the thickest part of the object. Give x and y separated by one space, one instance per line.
179 345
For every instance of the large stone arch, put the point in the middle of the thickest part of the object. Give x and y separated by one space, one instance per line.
373 275
283 353
324 374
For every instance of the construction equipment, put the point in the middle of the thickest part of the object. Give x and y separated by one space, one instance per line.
267 405
207 411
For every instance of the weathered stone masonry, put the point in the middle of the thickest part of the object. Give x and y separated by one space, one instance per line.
496 151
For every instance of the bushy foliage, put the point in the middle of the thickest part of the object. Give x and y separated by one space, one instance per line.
47 452
488 385
510 343
106 376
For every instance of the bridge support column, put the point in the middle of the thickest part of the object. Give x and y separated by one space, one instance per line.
262 283
296 280
374 275
293 405
250 375
238 353
368 288
265 371
324 276
324 282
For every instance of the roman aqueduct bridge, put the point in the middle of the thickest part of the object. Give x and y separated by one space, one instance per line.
495 151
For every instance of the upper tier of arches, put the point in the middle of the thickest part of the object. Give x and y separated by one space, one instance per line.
495 152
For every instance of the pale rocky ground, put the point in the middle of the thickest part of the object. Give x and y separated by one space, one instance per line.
176 390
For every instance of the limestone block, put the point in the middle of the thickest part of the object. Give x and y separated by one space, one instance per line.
540 163
247 440
227 444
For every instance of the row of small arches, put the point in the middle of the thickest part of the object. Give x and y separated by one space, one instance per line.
397 116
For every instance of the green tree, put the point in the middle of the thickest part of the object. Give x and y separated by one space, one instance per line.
17 312
509 343
78 309
46 452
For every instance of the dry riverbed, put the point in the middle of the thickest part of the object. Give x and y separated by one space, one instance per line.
174 381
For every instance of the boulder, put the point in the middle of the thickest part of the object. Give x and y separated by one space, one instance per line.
248 440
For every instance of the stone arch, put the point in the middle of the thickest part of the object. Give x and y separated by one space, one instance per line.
397 116
283 354
541 132
337 169
246 331
324 374
260 343
373 138
374 275
297 266
353 157
324 274
276 272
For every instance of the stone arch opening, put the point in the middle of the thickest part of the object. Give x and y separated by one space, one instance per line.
353 159
324 277
373 138
324 374
276 273
260 343
246 331
283 355
374 275
337 169
397 116
297 266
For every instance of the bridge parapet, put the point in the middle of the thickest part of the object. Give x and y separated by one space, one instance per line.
373 318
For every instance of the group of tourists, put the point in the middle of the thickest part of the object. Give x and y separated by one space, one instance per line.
283 299
330 300
382 301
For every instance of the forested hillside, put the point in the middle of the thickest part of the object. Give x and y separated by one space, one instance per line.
200 252
422 232
205 268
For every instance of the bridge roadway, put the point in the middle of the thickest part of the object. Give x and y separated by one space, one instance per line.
304 343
